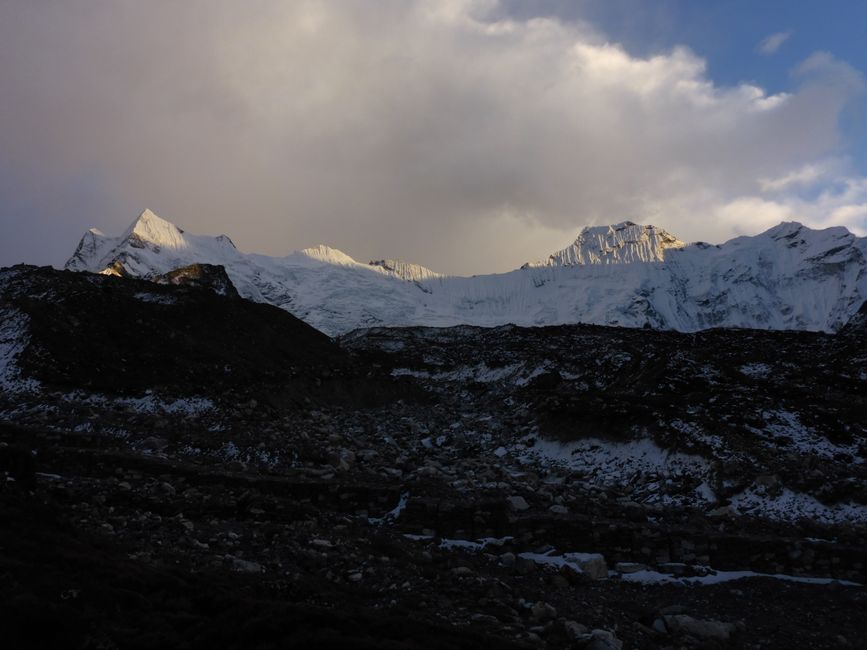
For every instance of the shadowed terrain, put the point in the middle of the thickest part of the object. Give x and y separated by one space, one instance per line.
182 468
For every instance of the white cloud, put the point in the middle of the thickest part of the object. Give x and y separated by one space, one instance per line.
427 130
804 176
772 43
843 204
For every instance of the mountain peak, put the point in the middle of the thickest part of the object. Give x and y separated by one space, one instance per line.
152 229
614 227
325 253
405 270
620 243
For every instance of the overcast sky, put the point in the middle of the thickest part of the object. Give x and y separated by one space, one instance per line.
466 135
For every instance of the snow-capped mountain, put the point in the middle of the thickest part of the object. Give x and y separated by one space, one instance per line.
790 277
621 243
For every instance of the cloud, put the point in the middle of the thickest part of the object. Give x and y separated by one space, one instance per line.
821 68
805 176
442 132
772 43
844 204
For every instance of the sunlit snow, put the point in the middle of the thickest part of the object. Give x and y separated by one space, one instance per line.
790 277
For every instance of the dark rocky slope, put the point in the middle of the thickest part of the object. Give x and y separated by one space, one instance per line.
417 488
188 333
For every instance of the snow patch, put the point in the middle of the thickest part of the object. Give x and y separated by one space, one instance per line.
648 576
467 545
794 506
610 462
155 298
13 339
154 404
392 514
571 560
480 373
757 370
785 428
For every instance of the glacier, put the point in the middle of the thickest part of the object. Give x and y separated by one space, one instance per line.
790 277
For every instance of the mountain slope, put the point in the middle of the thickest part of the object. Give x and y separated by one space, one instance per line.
790 277
65 329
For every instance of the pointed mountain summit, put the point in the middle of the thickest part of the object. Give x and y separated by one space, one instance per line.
93 246
621 243
323 253
150 246
148 228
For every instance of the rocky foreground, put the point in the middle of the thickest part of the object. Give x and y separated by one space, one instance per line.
186 469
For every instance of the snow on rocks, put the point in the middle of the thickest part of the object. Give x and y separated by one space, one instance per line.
392 514
611 461
590 564
13 340
785 429
787 505
712 577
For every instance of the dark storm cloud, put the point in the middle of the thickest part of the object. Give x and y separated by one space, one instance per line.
441 132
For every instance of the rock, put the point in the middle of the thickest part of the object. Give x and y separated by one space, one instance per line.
629 567
463 572
152 443
542 611
591 564
767 481
723 512
559 582
709 630
517 503
574 629
524 566
674 568
245 566
600 640
558 510
485 618
507 560
321 543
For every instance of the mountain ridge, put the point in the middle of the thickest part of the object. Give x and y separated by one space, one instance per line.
789 277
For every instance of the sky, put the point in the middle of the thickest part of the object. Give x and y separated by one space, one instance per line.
469 136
